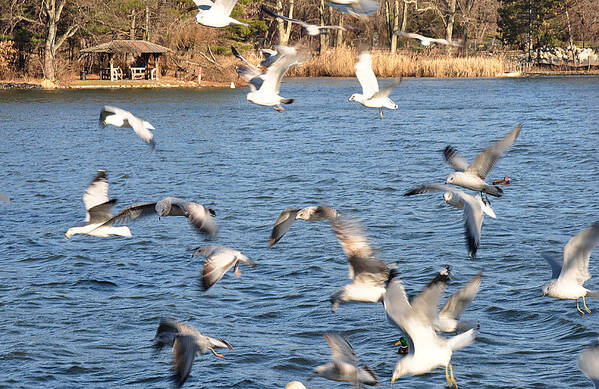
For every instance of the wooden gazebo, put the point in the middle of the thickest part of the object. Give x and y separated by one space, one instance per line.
147 54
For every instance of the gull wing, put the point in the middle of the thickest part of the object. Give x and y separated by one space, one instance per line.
411 35
165 334
397 307
426 303
556 267
184 351
198 215
216 265
252 77
282 225
355 7
132 212
454 159
385 92
109 110
365 74
225 5
140 129
96 193
459 301
203 5
287 57
283 17
473 221
341 349
245 61
430 188
364 266
588 363
100 213
270 56
577 253
486 159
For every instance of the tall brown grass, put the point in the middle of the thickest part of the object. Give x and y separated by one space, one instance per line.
339 62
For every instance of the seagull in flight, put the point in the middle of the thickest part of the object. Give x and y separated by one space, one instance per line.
217 13
290 215
186 342
311 29
368 273
474 210
200 217
98 210
120 118
426 41
568 278
265 89
456 304
427 350
344 363
355 7
473 176
371 97
219 260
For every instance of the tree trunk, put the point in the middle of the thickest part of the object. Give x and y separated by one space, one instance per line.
132 26
147 26
395 26
323 38
339 40
284 31
450 20
51 12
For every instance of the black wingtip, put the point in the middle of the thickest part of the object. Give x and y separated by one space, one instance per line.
234 51
393 272
448 152
441 277
212 211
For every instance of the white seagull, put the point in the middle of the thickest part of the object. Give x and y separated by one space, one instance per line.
473 176
217 13
344 363
200 217
368 273
120 118
588 363
371 97
219 260
187 342
311 29
355 7
426 41
427 350
265 90
456 304
98 210
474 210
290 215
568 278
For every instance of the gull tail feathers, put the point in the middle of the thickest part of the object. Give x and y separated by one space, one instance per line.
462 340
287 101
494 190
593 294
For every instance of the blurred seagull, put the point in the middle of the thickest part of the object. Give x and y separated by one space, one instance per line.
367 272
219 260
456 304
311 29
290 215
344 363
98 210
588 363
567 279
265 89
427 350
426 41
474 209
4 198
200 217
355 7
270 56
371 97
187 342
473 176
217 13
121 118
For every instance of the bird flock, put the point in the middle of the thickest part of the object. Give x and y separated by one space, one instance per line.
371 279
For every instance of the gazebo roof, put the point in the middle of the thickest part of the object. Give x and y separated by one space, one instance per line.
134 47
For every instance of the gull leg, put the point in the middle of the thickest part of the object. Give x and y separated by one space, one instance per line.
452 377
447 376
578 307
381 111
585 305
217 354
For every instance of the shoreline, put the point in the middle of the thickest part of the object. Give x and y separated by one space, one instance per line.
39 84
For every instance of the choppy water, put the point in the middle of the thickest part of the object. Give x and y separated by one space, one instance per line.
82 312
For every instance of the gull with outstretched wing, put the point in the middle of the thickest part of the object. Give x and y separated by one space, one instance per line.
120 118
217 13
426 41
290 215
311 29
219 260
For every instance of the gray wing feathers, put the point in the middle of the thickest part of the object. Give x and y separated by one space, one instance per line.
132 212
385 92
282 225
97 192
459 301
184 350
588 363
486 159
101 213
197 214
426 303
556 267
454 159
577 253
341 349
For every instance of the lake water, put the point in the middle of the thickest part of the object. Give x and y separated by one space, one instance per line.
83 311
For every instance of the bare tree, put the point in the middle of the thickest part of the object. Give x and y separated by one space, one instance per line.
52 13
